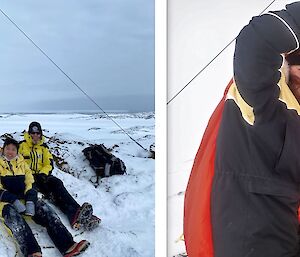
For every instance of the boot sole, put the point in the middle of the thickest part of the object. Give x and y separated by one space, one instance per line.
81 250
92 224
84 216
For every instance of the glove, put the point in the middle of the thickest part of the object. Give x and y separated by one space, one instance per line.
20 207
30 208
41 178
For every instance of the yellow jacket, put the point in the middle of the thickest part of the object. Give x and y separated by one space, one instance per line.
37 156
16 177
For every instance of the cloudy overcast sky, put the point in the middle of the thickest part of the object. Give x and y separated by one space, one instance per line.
106 47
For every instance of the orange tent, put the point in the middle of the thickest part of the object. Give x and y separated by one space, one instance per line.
197 218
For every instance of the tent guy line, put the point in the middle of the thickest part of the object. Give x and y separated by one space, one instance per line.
70 79
212 60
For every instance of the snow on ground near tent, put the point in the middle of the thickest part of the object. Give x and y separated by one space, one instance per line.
125 203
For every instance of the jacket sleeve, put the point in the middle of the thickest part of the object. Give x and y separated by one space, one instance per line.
259 53
6 196
47 162
29 180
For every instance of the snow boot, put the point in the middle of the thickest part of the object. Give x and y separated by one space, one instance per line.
82 216
92 223
77 248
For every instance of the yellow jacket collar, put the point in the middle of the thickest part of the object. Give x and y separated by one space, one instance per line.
29 141
17 159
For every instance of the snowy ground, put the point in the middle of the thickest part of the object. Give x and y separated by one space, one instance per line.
197 32
125 203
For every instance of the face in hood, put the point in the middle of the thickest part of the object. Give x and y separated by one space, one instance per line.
10 148
293 68
28 138
294 80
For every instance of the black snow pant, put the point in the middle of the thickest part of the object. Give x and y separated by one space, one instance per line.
44 216
54 189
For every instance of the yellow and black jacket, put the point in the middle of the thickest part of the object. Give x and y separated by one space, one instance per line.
37 156
16 179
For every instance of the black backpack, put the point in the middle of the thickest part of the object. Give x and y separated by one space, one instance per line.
104 163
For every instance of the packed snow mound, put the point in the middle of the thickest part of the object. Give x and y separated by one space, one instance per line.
125 203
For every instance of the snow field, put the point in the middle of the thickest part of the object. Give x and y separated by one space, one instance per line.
124 203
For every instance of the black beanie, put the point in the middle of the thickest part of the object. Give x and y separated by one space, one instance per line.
35 127
11 141
293 58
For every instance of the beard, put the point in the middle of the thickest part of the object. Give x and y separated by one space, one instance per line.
294 85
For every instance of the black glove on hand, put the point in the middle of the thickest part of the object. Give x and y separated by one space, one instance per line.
41 178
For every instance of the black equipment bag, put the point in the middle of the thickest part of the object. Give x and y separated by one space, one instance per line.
103 162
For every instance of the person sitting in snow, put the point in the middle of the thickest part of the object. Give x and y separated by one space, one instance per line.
17 198
40 161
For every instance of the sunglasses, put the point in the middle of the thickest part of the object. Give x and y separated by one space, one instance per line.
33 133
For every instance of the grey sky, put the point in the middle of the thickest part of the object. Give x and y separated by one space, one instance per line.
107 47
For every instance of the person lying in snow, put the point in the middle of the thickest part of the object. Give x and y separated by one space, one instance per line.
40 161
17 197
243 194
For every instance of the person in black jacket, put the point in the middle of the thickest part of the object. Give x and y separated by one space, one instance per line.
255 190
256 187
